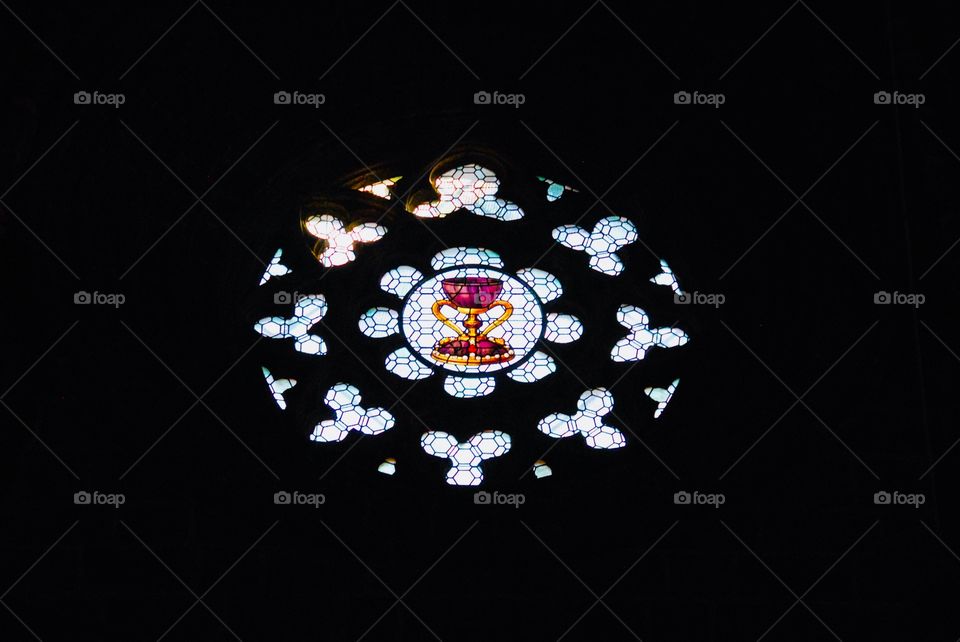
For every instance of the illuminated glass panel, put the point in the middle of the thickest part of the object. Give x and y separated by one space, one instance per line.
662 396
587 421
465 458
608 235
339 241
275 268
381 188
641 337
344 399
306 312
469 187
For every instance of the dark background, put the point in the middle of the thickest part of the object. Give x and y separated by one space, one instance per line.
104 199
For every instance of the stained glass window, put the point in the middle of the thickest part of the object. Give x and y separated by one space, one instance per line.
526 297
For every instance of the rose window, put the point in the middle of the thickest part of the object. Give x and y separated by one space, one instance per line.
492 293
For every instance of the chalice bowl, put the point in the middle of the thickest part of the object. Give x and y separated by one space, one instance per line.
472 296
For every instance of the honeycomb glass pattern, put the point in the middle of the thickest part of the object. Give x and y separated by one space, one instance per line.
338 241
538 366
472 188
457 256
400 280
306 312
563 328
521 330
608 235
344 399
465 458
378 323
592 406
469 387
546 285
402 363
641 337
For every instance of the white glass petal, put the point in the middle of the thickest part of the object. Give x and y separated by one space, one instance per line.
562 328
468 387
546 285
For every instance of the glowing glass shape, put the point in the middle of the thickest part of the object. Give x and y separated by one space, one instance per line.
555 190
563 328
662 396
423 329
469 387
465 458
339 240
388 467
379 322
426 328
667 277
344 399
470 187
402 363
456 256
541 469
546 285
275 268
538 366
608 235
381 188
306 312
641 337
278 387
587 421
400 280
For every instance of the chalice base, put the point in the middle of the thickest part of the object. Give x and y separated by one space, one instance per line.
481 351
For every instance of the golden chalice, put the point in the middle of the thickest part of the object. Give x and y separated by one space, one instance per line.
472 296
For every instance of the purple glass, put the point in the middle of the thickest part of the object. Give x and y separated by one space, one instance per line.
476 292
